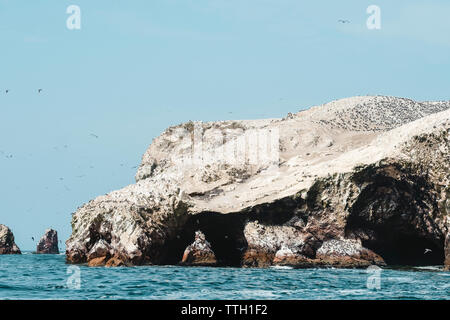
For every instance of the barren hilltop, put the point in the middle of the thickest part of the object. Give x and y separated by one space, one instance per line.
351 183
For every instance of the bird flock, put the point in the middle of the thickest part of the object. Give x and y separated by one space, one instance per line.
38 90
9 156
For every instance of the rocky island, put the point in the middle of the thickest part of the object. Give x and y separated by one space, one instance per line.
355 182
48 244
7 244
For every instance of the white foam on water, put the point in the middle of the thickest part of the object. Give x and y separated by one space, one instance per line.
281 267
257 292
433 268
353 291
400 279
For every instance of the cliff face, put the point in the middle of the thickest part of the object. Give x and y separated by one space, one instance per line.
354 182
7 244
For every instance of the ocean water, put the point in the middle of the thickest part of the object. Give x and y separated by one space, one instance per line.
31 276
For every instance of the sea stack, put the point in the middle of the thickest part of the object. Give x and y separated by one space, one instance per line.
48 243
351 183
199 253
7 245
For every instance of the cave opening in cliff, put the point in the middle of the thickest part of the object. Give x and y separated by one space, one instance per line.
393 216
225 232
407 250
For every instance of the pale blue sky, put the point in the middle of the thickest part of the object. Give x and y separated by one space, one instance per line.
136 67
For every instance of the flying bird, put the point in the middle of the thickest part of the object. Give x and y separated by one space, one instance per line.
94 135
32 238
427 251
7 90
343 21
39 90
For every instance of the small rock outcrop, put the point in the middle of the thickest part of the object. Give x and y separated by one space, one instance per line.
279 244
48 244
199 253
293 258
7 244
347 253
354 182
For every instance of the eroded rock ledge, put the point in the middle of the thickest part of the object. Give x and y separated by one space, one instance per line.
7 244
357 182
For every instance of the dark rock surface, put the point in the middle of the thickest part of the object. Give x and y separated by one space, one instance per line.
7 244
48 244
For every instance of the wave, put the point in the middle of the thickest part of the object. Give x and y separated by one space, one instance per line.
281 267
431 268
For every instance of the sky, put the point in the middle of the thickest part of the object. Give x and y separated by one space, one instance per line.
137 67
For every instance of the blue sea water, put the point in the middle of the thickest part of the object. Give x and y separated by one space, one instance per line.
31 276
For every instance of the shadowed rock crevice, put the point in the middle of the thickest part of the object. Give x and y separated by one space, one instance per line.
225 233
395 214
406 250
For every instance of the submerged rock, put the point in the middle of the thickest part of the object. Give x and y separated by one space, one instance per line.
48 244
358 181
199 253
7 244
